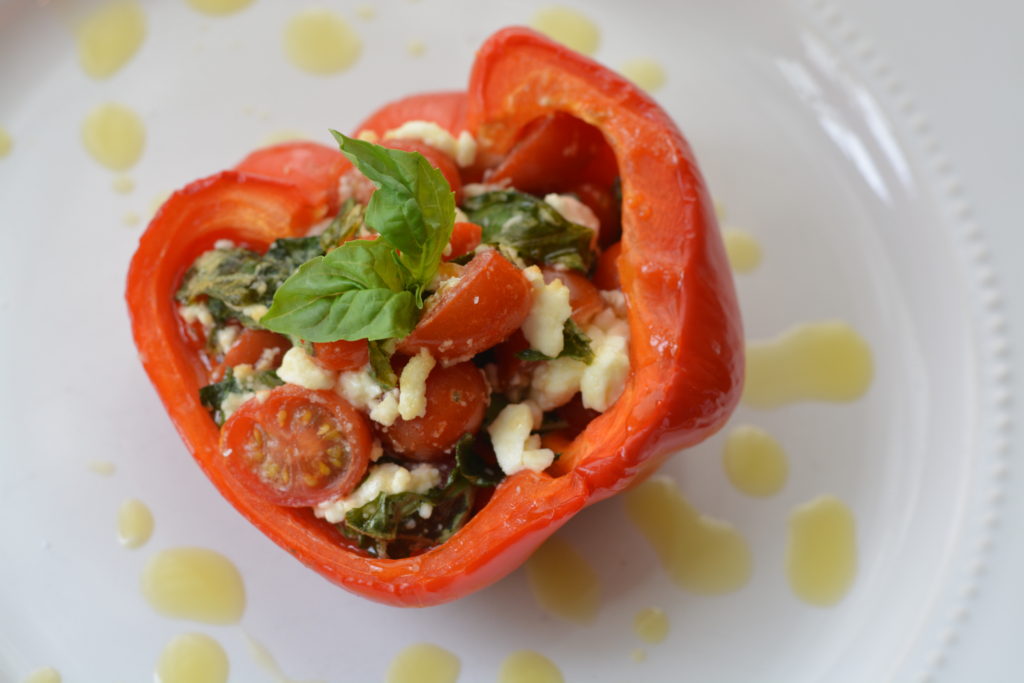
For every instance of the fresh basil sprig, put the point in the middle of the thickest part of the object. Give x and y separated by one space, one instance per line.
373 289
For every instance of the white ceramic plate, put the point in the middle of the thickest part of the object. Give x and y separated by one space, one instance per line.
807 140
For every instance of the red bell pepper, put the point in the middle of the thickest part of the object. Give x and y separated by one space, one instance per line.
686 340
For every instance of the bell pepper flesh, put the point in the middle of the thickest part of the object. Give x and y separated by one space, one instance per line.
686 337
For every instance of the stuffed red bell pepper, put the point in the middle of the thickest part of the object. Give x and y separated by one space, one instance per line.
410 360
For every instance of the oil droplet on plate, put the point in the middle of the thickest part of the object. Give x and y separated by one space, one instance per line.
563 583
110 36
123 184
131 219
47 674
821 554
424 663
194 583
134 523
192 658
527 666
114 135
366 12
103 467
218 7
6 143
416 48
638 654
754 461
825 361
743 250
157 202
569 27
321 42
704 555
651 625
645 72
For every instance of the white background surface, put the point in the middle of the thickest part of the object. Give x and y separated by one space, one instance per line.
73 391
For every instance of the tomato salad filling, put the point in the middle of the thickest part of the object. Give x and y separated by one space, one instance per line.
392 367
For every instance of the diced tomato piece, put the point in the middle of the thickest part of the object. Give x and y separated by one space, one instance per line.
484 306
606 276
465 238
298 447
249 348
341 355
456 402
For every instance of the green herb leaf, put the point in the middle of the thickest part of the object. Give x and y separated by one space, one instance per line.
345 225
356 291
531 226
212 396
471 468
380 365
381 517
414 207
575 344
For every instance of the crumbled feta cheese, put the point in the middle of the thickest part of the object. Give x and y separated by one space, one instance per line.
616 300
412 385
368 136
298 367
386 410
223 244
556 381
426 509
376 451
233 402
387 478
243 372
255 311
515 448
548 313
198 313
460 216
573 210
359 388
227 336
429 133
267 358
605 378
465 149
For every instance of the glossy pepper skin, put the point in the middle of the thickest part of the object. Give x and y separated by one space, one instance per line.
686 337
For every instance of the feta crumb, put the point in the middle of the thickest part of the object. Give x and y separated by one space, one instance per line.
359 388
429 133
475 189
515 448
387 478
573 210
412 385
227 336
426 509
267 358
548 313
368 136
386 410
376 451
198 313
460 216
556 381
243 372
605 378
255 311
223 244
234 401
616 300
298 367
465 149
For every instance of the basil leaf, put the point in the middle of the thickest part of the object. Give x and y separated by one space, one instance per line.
471 468
345 225
575 344
414 207
531 226
356 291
380 365
381 517
212 396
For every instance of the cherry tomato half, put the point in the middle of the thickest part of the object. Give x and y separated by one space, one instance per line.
456 402
341 355
487 304
465 238
298 447
249 348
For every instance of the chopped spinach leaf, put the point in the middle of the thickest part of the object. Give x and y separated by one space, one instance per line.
470 469
538 233
576 345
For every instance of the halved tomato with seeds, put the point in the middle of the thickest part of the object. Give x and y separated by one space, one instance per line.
297 447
